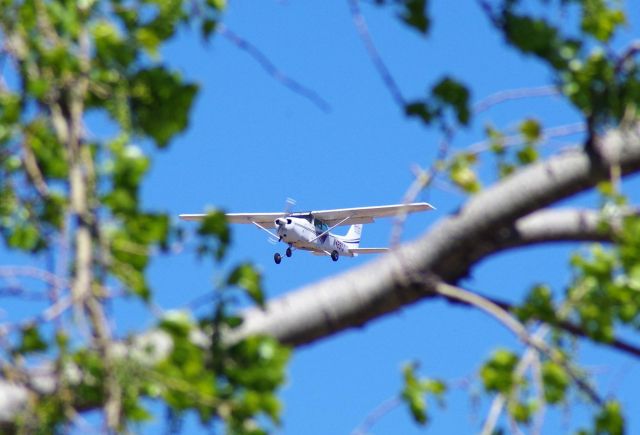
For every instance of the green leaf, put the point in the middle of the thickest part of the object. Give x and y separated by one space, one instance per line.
448 95
25 236
462 174
420 110
214 235
531 130
496 140
415 392
50 155
497 373
600 20
538 305
415 15
217 4
31 340
535 36
248 278
556 381
610 420
521 412
527 154
160 103
451 93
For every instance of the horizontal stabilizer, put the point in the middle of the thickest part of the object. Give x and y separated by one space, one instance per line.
192 217
368 250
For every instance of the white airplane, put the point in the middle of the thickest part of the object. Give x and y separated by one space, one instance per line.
311 231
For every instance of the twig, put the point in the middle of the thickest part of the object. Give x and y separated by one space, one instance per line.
33 170
514 94
516 139
528 358
52 312
21 292
272 70
629 53
423 178
35 273
518 329
376 414
361 26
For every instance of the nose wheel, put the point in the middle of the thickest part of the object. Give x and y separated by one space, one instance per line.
277 258
288 252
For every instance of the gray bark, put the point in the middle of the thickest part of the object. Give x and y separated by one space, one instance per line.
509 215
490 222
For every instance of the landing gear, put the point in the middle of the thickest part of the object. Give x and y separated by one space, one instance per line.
288 252
277 258
335 255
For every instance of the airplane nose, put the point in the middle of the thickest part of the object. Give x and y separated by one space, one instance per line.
281 221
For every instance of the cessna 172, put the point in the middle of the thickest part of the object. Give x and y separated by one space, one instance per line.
311 231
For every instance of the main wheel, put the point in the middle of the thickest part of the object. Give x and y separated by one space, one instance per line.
277 258
335 255
288 252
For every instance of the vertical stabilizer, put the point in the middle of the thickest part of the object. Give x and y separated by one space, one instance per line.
352 238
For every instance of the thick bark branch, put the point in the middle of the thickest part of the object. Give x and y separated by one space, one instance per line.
486 225
500 218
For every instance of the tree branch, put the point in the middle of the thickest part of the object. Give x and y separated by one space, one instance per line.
500 218
514 94
272 70
519 330
363 31
481 228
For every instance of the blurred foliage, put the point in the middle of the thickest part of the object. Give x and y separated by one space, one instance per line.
447 99
75 58
414 13
70 59
416 391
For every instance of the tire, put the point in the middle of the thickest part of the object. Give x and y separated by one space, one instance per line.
277 258
288 252
335 255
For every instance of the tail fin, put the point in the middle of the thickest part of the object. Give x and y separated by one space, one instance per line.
352 238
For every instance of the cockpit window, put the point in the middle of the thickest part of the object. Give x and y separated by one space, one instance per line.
321 227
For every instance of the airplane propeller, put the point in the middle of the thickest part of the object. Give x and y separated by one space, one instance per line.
288 209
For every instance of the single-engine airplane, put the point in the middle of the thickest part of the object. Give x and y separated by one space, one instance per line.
311 231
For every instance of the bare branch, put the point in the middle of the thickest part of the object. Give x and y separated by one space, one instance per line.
629 53
33 170
500 400
374 416
518 330
516 139
271 69
514 94
422 179
481 228
43 275
363 30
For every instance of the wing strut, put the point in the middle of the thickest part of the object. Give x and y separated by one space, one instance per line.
264 229
327 231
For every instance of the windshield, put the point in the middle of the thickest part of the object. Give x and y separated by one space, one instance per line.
321 227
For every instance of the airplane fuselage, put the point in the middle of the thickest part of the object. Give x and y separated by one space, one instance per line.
311 231
310 234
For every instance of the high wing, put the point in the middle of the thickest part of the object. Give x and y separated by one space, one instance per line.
240 218
366 215
359 215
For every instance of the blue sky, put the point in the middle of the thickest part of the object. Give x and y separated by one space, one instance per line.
252 143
